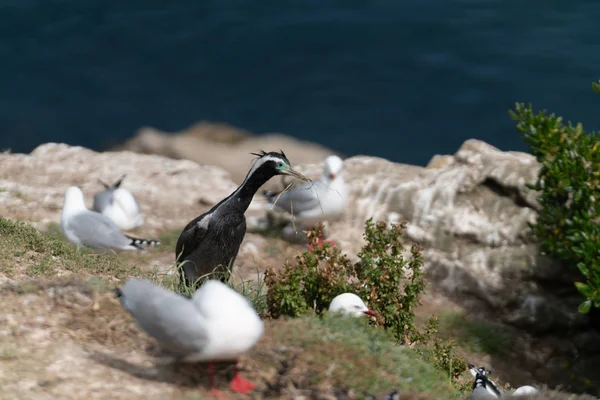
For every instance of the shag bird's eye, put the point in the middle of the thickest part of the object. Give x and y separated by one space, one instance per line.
280 164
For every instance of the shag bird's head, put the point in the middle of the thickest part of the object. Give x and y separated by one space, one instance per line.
274 163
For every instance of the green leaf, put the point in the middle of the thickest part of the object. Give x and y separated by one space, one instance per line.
585 307
596 86
583 288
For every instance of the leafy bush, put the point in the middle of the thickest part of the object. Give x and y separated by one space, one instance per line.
388 282
318 276
382 270
569 181
323 273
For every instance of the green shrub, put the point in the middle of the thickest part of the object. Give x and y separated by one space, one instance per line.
318 276
569 184
382 270
389 283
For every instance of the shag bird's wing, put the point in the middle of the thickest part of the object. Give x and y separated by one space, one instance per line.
192 235
97 231
168 317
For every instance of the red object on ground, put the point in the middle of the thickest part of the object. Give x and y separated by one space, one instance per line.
239 384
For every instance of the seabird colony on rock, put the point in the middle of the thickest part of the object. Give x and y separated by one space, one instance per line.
119 205
86 228
215 324
312 202
210 242
351 304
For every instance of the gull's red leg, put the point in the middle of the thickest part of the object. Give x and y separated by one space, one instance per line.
211 375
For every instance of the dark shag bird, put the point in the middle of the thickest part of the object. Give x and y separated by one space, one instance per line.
210 243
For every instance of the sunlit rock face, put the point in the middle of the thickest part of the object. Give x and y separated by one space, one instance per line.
471 213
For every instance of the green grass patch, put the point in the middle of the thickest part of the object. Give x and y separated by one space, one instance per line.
168 240
347 353
26 251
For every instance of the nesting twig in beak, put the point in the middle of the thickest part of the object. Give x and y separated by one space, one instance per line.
288 187
296 175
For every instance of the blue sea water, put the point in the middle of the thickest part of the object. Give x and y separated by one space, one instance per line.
393 78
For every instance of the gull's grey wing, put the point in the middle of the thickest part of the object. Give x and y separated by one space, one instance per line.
301 198
97 231
103 199
171 319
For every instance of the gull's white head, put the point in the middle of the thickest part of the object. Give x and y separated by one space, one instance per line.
349 303
74 200
333 167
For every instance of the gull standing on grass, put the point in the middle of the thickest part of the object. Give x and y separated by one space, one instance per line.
93 230
312 202
215 324
119 205
210 242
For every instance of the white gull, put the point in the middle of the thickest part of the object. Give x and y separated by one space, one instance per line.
86 228
215 324
350 304
119 205
310 203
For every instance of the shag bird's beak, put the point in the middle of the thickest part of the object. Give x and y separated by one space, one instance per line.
294 174
371 313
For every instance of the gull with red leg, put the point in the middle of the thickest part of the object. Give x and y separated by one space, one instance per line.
215 324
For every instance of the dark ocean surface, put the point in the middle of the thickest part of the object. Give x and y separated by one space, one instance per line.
397 79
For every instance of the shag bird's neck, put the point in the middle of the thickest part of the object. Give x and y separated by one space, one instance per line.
242 197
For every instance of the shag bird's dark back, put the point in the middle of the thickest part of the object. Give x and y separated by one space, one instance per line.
209 244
